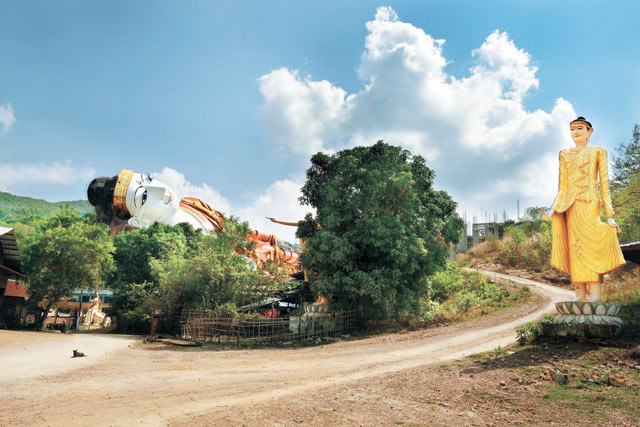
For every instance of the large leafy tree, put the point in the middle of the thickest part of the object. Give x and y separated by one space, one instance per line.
626 187
64 252
214 273
133 282
135 250
169 268
380 227
626 163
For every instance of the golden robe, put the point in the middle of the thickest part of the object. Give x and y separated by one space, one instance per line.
583 246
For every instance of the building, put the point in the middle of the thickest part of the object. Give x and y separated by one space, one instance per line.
12 293
631 251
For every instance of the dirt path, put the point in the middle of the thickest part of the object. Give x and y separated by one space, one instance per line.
118 384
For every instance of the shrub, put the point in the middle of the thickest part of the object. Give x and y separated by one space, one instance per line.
456 293
226 311
531 331
445 282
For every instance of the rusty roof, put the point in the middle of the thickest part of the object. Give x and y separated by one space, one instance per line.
15 289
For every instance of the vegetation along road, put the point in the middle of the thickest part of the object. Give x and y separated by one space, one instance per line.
122 380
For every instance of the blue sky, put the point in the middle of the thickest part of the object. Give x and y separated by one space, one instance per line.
227 100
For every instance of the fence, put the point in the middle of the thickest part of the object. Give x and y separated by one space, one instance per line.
203 326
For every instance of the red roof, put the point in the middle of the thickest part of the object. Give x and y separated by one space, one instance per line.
15 289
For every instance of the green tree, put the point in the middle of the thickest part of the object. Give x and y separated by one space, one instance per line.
213 274
626 187
134 284
626 164
626 203
380 228
135 250
62 254
532 222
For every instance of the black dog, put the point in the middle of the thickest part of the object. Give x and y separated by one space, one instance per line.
77 353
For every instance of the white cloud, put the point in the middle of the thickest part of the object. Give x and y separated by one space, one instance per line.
279 201
183 188
301 107
7 118
474 131
15 178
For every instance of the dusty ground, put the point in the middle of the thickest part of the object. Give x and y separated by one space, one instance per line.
419 377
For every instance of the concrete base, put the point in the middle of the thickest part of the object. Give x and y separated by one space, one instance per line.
583 330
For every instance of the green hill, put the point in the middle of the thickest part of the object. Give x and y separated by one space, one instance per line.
12 207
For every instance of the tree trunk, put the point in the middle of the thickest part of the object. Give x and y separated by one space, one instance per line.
44 314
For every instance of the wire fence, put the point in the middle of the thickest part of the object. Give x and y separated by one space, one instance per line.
204 326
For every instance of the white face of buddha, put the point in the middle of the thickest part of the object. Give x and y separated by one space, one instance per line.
580 133
149 200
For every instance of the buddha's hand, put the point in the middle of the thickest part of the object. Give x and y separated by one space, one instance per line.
544 215
133 221
612 223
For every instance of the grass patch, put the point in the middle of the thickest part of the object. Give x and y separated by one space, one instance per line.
458 294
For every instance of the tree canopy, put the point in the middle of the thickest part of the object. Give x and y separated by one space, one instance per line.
64 253
380 227
626 187
170 268
626 163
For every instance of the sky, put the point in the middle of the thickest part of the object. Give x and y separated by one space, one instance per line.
228 100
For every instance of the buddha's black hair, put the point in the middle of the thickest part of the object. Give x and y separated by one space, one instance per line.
583 120
100 195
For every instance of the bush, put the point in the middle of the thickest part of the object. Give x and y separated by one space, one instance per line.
445 282
493 242
226 311
517 249
457 293
531 331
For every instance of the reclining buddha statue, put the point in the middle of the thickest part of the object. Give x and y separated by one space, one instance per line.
131 200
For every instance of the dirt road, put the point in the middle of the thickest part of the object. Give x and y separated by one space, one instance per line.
123 382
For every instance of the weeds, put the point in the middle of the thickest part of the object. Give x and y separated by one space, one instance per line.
531 331
457 293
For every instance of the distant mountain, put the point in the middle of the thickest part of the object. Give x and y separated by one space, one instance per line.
15 207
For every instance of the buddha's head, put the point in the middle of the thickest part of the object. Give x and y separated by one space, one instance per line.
132 196
581 130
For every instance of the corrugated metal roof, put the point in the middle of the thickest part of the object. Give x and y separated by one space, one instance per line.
10 249
630 246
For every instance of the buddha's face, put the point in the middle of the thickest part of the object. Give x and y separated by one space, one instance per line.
149 200
580 133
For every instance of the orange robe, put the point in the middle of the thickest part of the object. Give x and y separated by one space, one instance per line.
266 244
583 246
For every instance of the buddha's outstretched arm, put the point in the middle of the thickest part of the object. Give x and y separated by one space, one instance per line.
292 224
